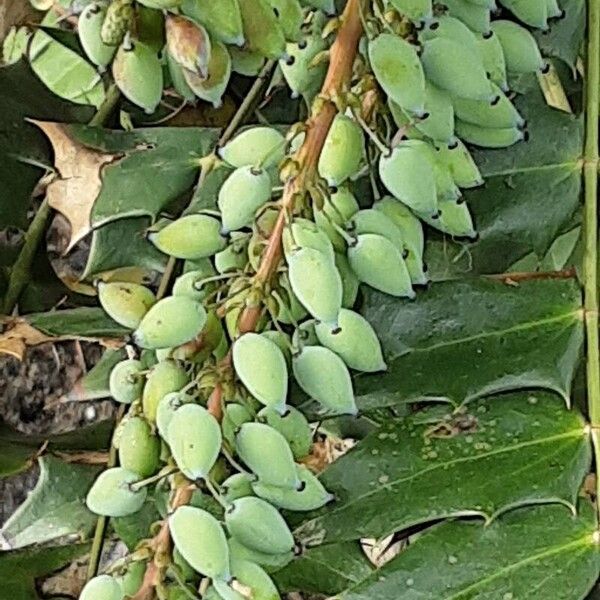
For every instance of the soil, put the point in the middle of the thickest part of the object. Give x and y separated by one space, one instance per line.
30 401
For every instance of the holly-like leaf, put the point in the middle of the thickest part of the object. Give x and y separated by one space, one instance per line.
325 570
530 196
535 553
91 324
24 150
79 182
497 454
20 568
56 506
107 175
466 339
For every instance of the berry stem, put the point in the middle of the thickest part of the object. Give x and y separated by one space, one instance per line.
342 55
339 74
238 119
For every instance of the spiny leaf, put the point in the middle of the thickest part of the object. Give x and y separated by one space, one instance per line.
500 453
466 339
534 553
107 251
106 175
24 149
80 181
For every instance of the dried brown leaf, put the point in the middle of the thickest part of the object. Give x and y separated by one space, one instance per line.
79 179
18 335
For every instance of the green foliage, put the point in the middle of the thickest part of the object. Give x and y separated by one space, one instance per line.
20 568
292 273
18 450
544 544
55 508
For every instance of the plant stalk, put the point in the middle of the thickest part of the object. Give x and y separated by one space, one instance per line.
590 272
338 77
342 55
105 109
20 272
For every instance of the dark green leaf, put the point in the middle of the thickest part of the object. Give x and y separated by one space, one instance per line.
18 450
56 506
134 528
565 38
531 195
141 171
67 38
205 196
535 553
160 163
325 570
95 383
504 452
465 339
19 568
23 147
123 243
147 180
84 321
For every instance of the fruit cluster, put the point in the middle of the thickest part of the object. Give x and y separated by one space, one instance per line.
208 396
194 46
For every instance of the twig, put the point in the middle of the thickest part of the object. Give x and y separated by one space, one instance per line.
590 264
105 109
246 106
570 273
21 270
238 118
338 77
342 54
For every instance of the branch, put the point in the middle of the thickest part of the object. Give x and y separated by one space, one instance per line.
238 119
513 278
342 55
20 273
